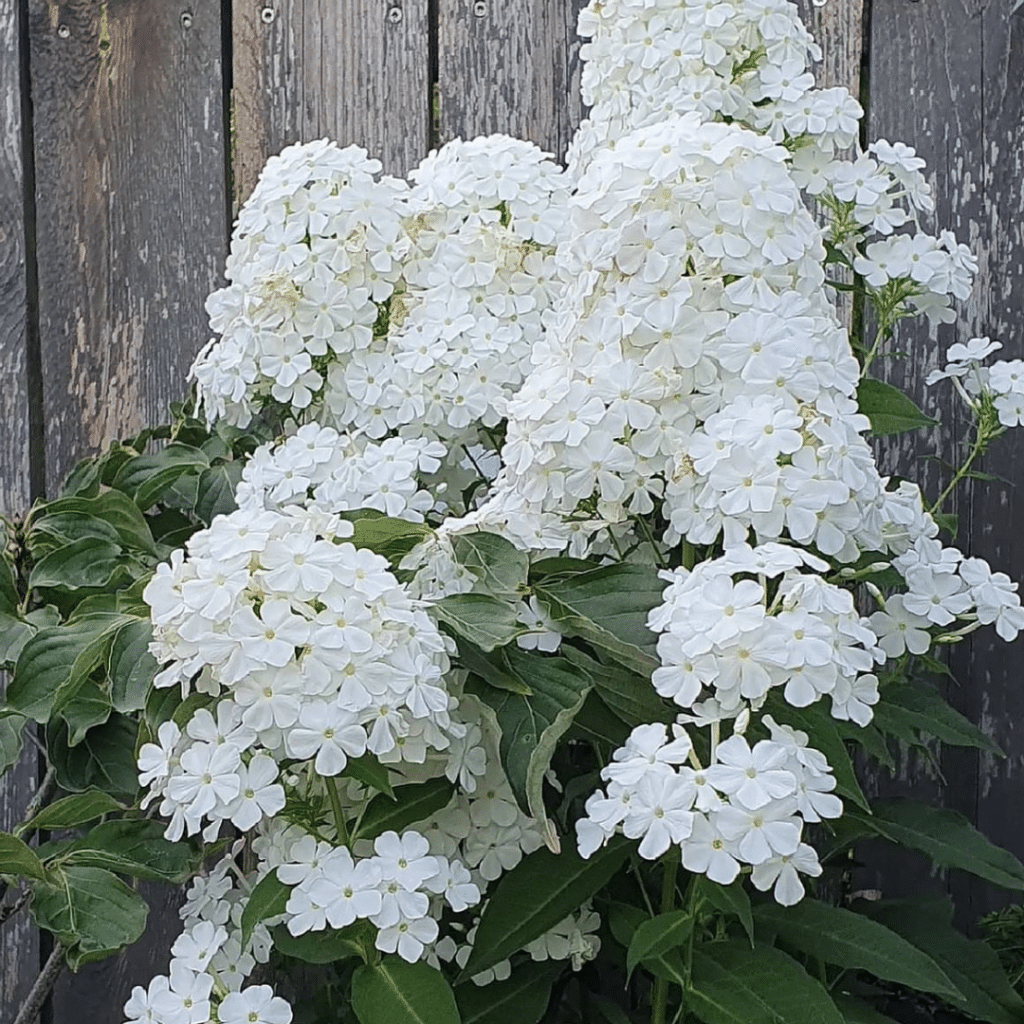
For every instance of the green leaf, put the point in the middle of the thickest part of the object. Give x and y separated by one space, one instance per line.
889 409
870 739
18 858
105 759
328 946
370 772
394 992
12 732
850 940
131 667
531 726
522 998
499 566
146 478
88 562
733 984
392 538
215 495
86 706
268 899
630 696
608 608
74 810
856 1011
10 599
479 618
136 847
728 899
114 510
492 668
57 660
14 634
657 935
921 707
90 911
541 890
947 837
971 965
816 721
409 805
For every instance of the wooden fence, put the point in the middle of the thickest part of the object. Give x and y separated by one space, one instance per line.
130 129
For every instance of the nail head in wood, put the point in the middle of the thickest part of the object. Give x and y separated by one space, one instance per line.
395 15
64 32
267 15
186 19
480 8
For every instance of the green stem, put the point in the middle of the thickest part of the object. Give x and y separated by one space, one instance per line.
645 529
659 1000
873 351
981 440
339 814
689 555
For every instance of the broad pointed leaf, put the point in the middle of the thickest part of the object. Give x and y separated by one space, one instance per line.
499 566
394 992
850 940
534 896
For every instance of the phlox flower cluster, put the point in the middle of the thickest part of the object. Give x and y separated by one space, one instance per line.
392 889
308 647
372 307
748 806
1001 382
317 246
739 625
208 969
694 364
318 468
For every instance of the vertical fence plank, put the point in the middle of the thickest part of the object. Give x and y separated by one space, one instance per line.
510 67
356 71
926 86
131 208
19 943
838 27
131 214
993 689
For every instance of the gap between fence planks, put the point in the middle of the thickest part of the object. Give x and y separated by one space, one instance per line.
19 941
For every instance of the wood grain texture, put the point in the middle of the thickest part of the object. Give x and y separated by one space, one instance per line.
19 942
356 71
509 66
931 69
130 193
838 27
991 692
14 442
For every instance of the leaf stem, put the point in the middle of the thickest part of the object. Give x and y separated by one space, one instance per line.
982 437
659 999
339 814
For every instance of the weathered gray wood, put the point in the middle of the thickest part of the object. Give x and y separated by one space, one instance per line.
927 89
992 691
132 226
838 27
19 943
356 71
509 66
129 148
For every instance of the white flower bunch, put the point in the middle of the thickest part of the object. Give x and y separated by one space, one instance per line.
748 806
316 249
319 653
320 469
739 625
